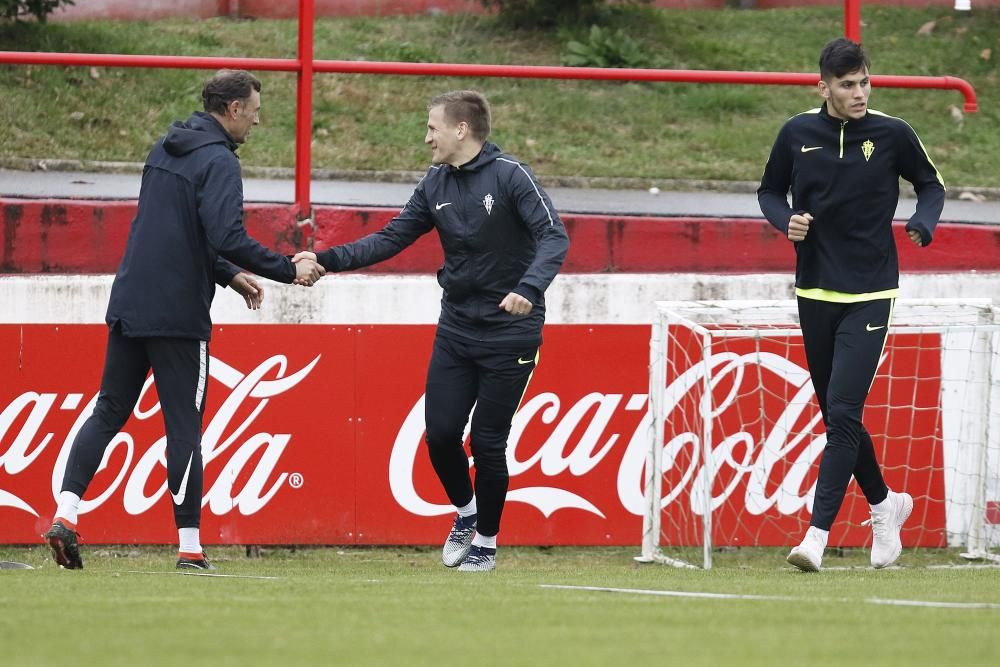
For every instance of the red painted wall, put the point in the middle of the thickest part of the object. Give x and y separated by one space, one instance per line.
71 236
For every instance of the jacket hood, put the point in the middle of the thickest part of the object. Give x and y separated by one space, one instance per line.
201 129
489 153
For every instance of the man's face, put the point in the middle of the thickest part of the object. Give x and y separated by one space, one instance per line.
847 96
243 115
442 137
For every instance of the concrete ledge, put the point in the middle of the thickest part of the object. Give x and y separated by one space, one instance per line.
584 298
412 177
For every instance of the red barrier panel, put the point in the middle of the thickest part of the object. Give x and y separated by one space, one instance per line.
69 236
313 434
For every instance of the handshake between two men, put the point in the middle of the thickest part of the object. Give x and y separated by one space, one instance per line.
307 273
307 270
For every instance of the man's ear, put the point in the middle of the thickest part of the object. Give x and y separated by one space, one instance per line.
824 90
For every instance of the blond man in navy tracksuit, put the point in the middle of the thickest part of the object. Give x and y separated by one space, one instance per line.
503 244
842 164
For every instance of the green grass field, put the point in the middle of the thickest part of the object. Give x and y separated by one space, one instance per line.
400 606
651 132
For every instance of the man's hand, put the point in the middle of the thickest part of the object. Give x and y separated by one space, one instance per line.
915 237
307 269
798 226
251 291
515 304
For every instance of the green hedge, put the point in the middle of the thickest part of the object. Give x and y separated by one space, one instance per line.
40 9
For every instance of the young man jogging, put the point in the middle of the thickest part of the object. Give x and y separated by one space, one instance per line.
842 164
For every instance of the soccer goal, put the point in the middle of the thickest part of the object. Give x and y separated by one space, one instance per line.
736 433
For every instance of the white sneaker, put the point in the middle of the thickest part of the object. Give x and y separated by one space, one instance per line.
808 556
886 545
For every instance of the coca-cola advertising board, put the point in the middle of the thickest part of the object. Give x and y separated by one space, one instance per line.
313 433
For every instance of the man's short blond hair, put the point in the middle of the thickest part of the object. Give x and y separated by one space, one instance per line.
466 106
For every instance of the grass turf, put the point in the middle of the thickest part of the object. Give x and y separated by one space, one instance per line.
358 606
562 128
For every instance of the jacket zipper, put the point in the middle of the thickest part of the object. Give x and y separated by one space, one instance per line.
843 124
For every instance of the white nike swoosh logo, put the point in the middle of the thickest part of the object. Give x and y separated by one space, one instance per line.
522 361
869 327
811 148
438 207
179 496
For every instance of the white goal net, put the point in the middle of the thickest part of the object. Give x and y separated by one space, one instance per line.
736 433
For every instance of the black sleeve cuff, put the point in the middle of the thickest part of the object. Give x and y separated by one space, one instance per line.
528 292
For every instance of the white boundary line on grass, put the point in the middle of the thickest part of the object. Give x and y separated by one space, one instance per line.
939 605
774 598
207 574
673 594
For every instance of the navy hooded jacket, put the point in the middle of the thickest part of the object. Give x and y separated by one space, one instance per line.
189 222
500 234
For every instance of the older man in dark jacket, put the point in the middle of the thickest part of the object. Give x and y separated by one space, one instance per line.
187 235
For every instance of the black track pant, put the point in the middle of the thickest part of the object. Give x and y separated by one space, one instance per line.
843 343
493 379
180 369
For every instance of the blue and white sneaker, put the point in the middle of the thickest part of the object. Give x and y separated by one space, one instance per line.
480 559
459 541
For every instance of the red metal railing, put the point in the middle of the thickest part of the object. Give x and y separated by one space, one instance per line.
306 66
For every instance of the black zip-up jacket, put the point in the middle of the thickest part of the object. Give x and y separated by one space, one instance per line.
190 217
500 234
846 174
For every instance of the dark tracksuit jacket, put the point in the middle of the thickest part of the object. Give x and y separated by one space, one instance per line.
500 234
189 222
846 174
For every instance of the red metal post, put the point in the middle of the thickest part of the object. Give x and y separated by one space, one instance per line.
852 20
303 114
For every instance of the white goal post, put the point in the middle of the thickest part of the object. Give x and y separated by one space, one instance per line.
735 432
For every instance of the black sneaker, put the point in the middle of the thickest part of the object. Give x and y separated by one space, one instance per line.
64 545
194 563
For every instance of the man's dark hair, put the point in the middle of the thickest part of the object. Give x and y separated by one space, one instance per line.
225 86
841 56
468 106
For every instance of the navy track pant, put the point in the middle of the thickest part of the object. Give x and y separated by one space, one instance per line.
180 370
843 343
493 378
